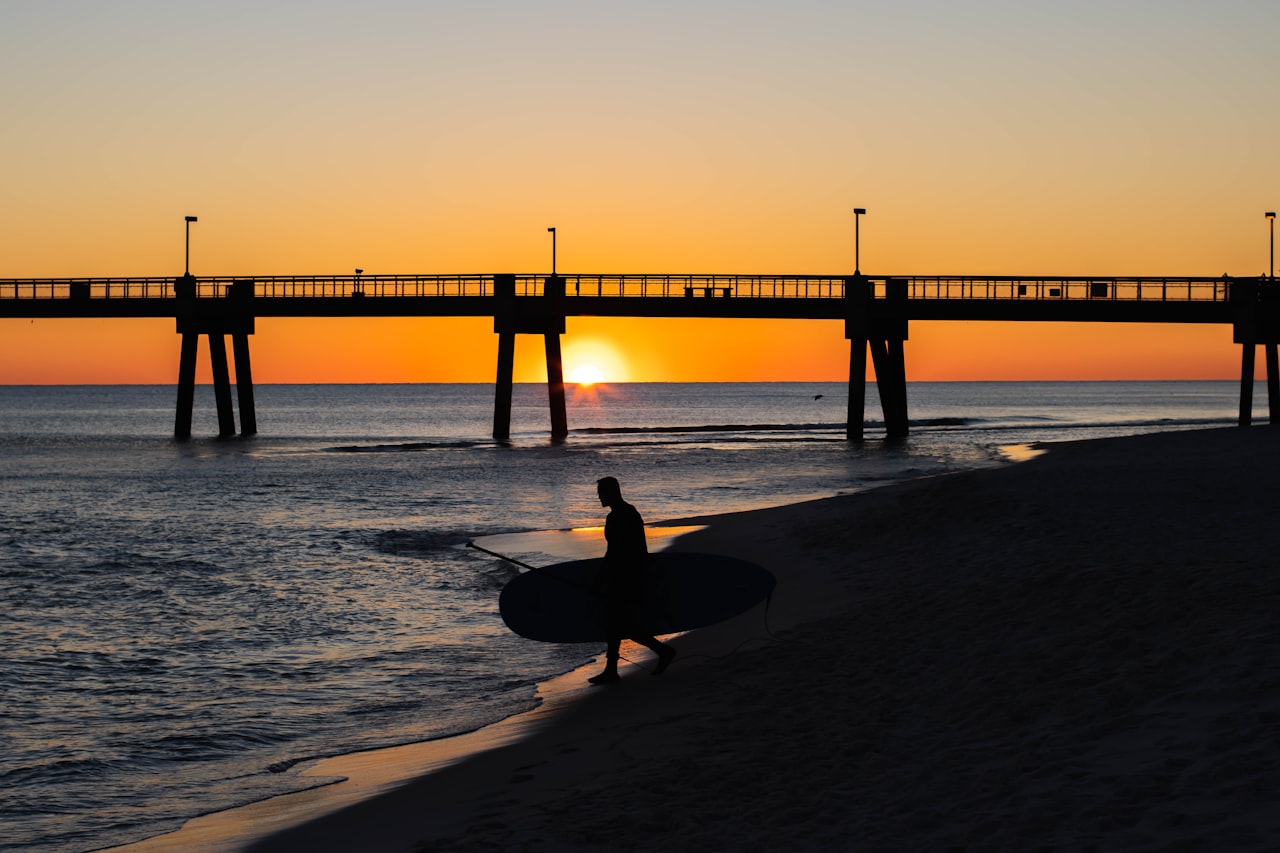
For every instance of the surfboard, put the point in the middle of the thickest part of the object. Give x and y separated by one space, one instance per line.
684 591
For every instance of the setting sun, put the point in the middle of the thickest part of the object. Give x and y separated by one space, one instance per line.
592 357
586 374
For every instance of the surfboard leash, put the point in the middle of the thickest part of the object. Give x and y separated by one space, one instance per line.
513 561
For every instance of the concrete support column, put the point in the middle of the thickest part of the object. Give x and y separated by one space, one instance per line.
244 384
856 420
528 315
1248 352
881 326
240 295
222 385
503 385
504 324
857 310
186 385
217 318
1246 331
552 310
1273 384
892 324
1268 334
555 388
887 357
896 423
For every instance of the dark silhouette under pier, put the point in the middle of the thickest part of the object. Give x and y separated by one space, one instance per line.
876 310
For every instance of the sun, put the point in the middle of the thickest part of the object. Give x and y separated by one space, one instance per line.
586 374
591 361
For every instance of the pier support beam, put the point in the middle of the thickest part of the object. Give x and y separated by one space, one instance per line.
856 422
244 384
1248 352
503 385
555 387
1273 384
531 315
881 325
222 385
242 298
215 318
186 385
891 379
1256 308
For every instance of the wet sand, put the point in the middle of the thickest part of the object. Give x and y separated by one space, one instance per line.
1076 652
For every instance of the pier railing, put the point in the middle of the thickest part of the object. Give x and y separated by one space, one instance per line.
1177 289
96 288
1131 289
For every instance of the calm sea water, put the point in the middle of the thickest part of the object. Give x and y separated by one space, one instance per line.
184 623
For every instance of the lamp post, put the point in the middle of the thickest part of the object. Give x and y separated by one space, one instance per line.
1271 271
857 214
553 250
187 263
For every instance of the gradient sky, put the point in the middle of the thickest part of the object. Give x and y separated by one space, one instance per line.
1014 138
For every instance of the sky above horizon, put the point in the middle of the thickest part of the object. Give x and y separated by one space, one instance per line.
983 138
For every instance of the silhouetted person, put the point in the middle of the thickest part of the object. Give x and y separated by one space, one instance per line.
622 582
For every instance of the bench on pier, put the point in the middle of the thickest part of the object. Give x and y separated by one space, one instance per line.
1097 290
707 291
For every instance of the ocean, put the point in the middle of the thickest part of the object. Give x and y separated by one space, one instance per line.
188 624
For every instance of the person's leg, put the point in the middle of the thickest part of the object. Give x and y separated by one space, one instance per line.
666 654
610 672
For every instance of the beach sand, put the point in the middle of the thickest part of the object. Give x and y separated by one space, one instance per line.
1077 652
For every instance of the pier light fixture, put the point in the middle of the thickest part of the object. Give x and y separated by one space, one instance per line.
857 217
187 262
1271 216
553 250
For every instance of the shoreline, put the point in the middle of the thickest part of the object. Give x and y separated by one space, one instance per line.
1073 652
358 777
361 776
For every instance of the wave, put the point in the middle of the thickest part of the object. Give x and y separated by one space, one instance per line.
632 430
412 446
1132 425
941 423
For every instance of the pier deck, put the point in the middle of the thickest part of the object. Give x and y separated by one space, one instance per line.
876 311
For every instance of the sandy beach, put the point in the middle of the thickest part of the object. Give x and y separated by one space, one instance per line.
1077 652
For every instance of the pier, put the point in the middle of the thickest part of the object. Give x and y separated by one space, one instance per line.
876 310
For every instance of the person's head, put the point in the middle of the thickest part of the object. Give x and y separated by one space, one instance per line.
609 490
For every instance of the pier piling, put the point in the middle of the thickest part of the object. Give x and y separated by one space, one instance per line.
1255 305
186 385
503 385
881 326
222 385
215 318
529 315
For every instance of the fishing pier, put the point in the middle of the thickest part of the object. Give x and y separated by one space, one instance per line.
876 311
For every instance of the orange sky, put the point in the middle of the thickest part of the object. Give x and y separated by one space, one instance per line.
465 350
983 138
